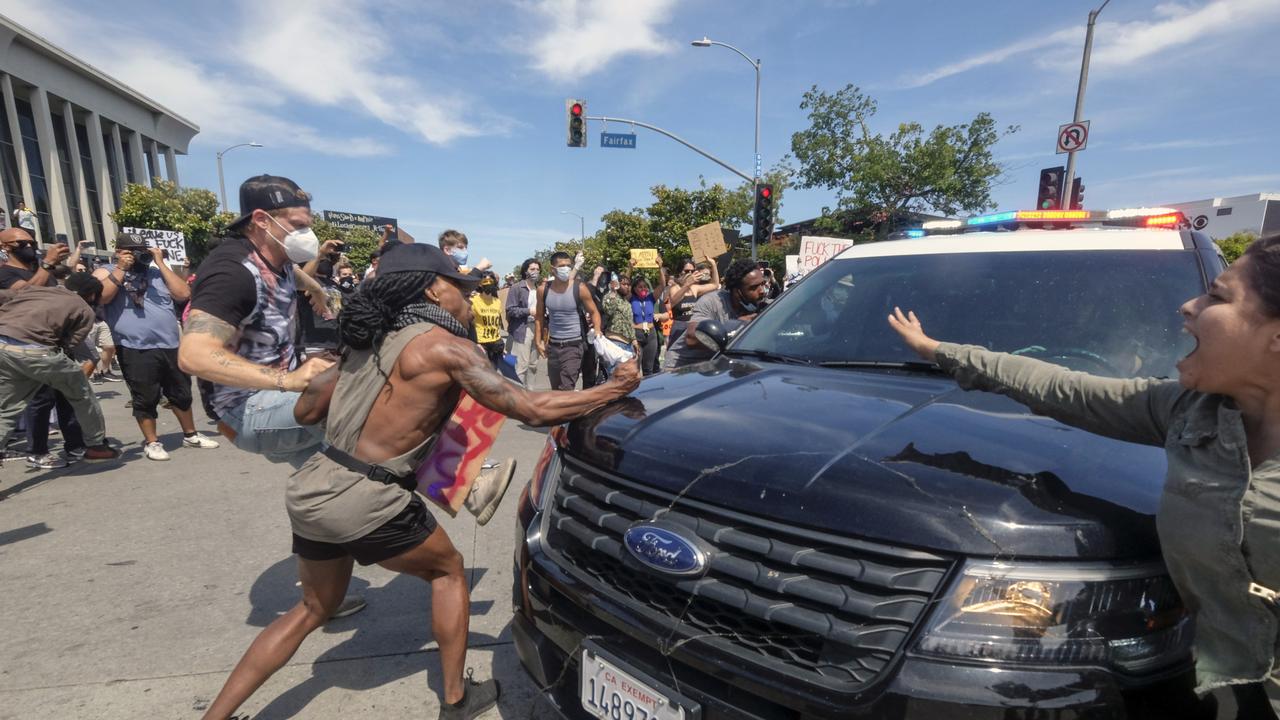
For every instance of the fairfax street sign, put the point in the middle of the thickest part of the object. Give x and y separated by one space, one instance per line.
618 140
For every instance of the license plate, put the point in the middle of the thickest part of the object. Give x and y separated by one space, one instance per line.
611 693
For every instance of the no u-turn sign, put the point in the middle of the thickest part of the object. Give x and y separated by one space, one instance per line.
1073 137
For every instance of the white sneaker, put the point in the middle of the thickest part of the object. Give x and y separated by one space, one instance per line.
155 451
199 441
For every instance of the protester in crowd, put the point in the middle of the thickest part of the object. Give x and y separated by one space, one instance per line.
347 280
645 320
503 292
407 332
488 318
100 337
372 271
731 307
455 245
694 281
240 334
617 319
24 218
520 307
318 326
24 268
597 287
40 328
1219 423
564 309
138 295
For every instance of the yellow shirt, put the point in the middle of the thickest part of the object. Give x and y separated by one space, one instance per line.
488 312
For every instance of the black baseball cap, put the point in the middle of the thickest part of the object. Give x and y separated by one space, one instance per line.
418 257
268 192
126 241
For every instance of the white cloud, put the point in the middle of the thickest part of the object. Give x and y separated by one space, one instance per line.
586 35
1184 144
227 109
1121 44
334 53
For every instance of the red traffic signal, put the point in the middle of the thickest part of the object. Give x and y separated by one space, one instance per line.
576 109
576 114
766 192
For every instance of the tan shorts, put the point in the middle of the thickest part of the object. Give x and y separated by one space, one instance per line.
100 335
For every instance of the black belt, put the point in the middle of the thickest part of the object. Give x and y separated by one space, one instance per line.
373 472
563 343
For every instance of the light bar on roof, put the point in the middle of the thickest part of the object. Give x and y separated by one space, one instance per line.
1123 213
1054 215
1163 220
995 218
915 233
941 225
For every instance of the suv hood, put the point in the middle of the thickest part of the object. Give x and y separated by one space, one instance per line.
897 457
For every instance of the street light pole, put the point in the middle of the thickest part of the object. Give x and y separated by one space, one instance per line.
755 181
1069 178
582 226
222 185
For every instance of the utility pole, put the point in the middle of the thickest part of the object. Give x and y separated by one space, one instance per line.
1084 80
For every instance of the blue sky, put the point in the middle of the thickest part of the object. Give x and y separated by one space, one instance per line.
451 114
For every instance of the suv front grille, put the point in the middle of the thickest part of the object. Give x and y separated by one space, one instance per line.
831 610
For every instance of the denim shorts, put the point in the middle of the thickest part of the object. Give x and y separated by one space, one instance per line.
264 425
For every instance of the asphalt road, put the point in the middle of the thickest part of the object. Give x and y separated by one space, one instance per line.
130 590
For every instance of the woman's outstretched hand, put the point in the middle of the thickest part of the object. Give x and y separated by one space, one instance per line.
912 332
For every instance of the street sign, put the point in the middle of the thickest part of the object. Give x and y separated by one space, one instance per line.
1073 137
618 140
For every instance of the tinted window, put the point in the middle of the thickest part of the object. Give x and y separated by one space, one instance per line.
1111 313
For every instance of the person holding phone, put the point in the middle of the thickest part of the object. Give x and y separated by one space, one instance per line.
139 292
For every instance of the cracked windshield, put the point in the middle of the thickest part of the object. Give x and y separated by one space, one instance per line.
640 360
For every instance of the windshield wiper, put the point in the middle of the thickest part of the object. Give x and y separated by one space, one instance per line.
912 365
772 356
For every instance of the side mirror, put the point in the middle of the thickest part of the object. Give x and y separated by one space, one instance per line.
712 335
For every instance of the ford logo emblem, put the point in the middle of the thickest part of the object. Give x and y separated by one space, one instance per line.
663 548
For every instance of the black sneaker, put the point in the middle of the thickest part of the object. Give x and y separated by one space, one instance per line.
111 377
479 697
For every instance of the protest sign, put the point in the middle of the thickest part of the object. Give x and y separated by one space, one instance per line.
707 241
816 250
350 221
645 259
793 265
173 242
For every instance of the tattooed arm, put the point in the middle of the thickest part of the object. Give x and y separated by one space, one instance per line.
467 365
204 352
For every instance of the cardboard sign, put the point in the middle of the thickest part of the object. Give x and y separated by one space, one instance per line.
447 472
707 241
645 259
793 265
816 250
173 242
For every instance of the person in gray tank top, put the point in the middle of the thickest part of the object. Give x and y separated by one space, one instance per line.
563 303
407 359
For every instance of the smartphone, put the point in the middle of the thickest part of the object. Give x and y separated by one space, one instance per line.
342 247
60 238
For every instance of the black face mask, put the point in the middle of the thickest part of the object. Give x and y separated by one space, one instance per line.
347 284
26 253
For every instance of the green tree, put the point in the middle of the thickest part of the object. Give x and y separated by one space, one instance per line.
165 206
361 242
1234 245
878 177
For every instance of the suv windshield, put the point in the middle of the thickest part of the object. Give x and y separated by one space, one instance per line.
1106 312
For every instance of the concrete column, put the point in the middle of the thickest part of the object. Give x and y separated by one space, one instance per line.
19 149
58 209
80 182
102 174
171 165
122 175
153 153
139 163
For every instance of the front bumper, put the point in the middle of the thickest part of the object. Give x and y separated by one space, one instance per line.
556 613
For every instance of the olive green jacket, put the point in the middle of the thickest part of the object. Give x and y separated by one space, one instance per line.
1219 518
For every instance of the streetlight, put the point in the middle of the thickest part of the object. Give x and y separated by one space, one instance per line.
222 185
708 42
1084 79
582 224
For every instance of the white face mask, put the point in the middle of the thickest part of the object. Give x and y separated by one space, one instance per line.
562 272
300 246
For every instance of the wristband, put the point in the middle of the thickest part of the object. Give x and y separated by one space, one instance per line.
47 266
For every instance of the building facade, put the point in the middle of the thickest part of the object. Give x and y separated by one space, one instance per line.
1220 217
72 137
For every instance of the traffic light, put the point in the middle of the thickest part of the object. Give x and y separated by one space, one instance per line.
762 216
1049 196
576 110
1077 195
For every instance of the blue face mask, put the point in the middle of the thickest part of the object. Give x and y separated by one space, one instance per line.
460 255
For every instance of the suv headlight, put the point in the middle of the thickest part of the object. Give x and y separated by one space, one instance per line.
1126 618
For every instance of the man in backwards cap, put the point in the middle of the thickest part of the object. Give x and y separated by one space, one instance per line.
240 332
